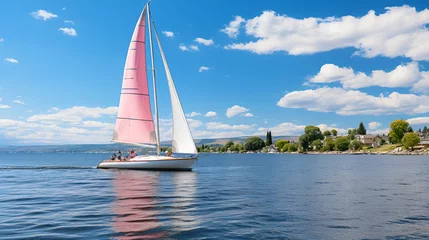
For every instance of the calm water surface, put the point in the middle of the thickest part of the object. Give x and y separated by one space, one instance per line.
257 196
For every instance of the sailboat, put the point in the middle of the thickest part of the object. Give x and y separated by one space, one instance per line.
135 124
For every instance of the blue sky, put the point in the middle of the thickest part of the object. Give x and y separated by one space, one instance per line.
286 64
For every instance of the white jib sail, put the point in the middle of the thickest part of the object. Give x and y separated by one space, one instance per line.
182 141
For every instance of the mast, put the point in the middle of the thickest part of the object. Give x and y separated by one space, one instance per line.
158 143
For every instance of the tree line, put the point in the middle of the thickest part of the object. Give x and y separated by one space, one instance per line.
313 139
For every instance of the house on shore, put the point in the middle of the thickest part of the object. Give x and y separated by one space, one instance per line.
369 140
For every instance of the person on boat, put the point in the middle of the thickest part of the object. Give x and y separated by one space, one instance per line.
168 154
132 154
119 156
113 157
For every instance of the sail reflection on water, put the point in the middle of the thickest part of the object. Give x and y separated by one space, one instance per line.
135 207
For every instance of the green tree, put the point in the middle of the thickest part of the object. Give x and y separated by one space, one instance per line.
328 144
254 144
352 133
304 142
341 143
268 139
285 147
317 144
361 130
228 145
397 130
410 140
425 129
334 132
280 143
327 133
410 129
355 145
313 133
292 147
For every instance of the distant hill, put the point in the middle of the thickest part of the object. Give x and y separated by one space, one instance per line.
103 148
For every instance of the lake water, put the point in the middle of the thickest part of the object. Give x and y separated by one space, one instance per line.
227 196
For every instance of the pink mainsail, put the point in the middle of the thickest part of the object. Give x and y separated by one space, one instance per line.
134 123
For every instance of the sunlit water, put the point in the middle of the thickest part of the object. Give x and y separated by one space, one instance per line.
63 196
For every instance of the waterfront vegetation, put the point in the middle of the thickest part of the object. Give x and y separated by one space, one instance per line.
400 138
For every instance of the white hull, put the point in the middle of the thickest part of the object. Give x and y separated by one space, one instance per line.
152 163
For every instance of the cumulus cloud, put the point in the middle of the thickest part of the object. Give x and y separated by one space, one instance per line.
399 31
37 133
190 48
374 125
73 115
193 114
4 106
168 34
69 21
232 29
235 110
203 68
418 120
68 31
407 75
248 115
351 102
194 47
206 42
43 14
11 60
210 114
19 101
194 123
223 126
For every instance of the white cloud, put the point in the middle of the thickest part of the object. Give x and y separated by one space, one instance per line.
68 31
11 60
351 102
54 109
190 48
43 14
235 110
1 40
379 131
399 31
36 133
205 42
194 123
210 114
418 120
19 101
4 106
211 134
374 125
248 115
402 76
69 21
193 114
232 28
95 124
168 33
203 68
223 126
194 47
73 115
183 47
64 8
